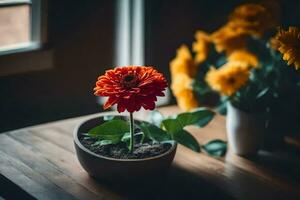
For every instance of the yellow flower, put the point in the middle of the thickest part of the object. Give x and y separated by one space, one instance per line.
183 69
246 20
182 89
288 44
252 19
181 82
228 39
183 62
243 56
186 100
201 46
229 78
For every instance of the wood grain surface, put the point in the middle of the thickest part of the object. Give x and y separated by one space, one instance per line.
39 162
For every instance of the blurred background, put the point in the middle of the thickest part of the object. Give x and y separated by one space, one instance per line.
51 51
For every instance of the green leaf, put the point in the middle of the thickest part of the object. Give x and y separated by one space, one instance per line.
186 139
110 130
262 93
215 147
126 137
172 126
222 108
200 117
175 129
200 87
156 118
105 142
175 126
154 133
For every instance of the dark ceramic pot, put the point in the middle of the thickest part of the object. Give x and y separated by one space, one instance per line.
106 168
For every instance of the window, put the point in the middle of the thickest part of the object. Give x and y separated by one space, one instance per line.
130 32
22 37
20 27
130 36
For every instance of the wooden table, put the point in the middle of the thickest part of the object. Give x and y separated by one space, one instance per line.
39 162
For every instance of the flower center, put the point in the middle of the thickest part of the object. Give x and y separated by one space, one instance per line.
129 80
231 81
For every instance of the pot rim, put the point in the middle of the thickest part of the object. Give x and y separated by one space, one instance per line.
78 143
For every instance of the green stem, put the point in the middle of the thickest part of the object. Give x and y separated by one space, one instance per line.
131 147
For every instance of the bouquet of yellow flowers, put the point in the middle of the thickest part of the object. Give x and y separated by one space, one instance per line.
244 62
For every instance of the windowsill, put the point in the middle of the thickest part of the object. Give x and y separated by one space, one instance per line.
20 48
33 57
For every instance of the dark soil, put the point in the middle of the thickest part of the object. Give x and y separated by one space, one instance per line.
120 150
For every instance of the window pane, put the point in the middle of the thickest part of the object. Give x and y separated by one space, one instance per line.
14 25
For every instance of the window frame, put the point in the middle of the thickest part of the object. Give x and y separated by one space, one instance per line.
36 35
131 37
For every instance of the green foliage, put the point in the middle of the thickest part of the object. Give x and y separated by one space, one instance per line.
154 133
201 87
222 107
186 139
126 138
215 147
200 117
271 86
160 130
110 130
214 58
172 126
175 126
105 142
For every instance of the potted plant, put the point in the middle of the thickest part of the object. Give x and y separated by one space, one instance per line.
120 147
255 94
244 63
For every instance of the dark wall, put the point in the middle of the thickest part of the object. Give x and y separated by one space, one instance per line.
81 37
171 23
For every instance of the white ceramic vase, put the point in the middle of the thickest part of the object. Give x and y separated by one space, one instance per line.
245 132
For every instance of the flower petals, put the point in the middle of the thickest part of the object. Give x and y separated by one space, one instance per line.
140 90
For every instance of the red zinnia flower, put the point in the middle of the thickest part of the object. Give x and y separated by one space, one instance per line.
131 87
